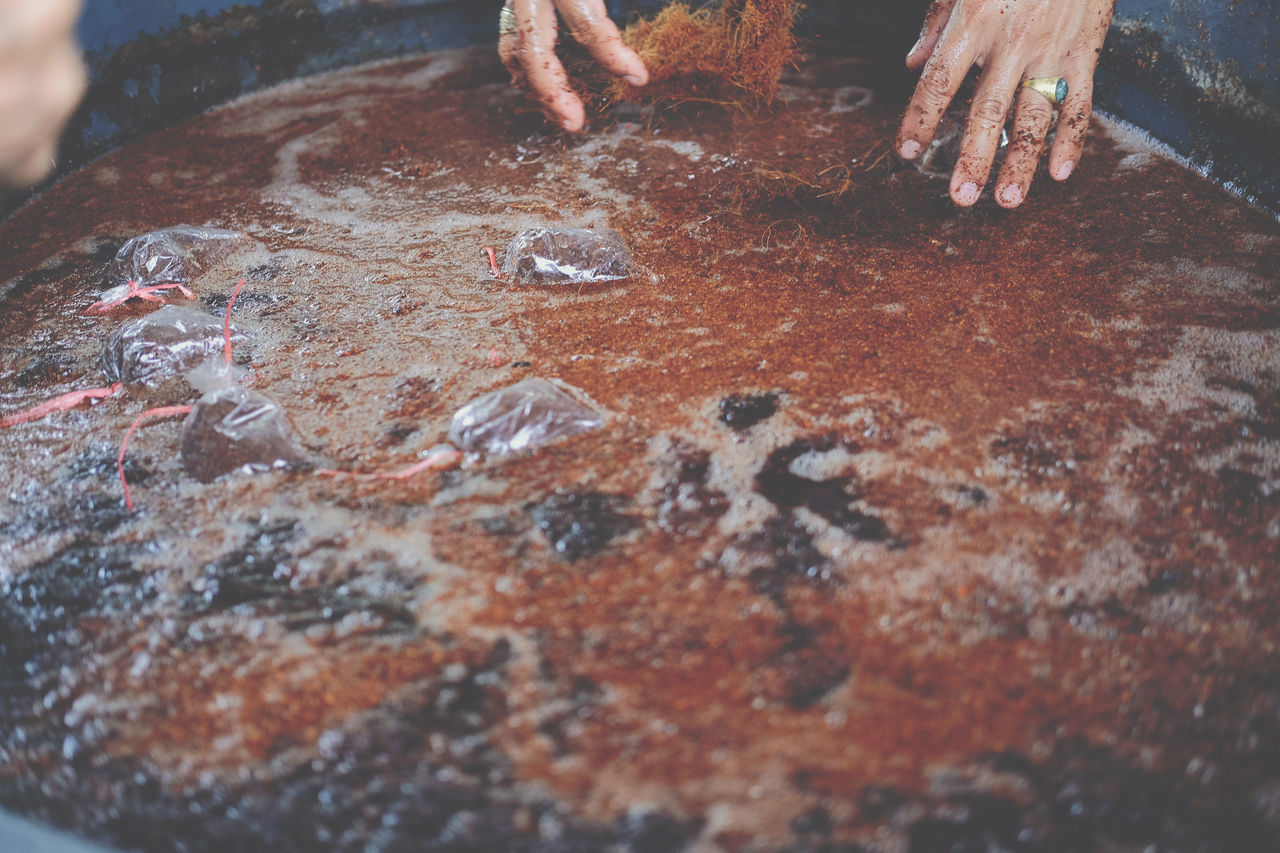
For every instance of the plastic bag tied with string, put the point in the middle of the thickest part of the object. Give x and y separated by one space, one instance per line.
162 346
176 255
521 417
232 429
559 255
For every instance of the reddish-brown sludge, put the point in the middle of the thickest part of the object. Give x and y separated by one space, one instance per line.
906 520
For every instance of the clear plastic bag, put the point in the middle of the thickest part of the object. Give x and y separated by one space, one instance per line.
559 255
163 345
232 428
521 417
174 255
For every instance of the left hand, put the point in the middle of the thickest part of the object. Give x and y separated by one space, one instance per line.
1012 41
42 78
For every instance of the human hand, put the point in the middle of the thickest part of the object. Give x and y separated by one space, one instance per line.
530 53
42 79
1012 41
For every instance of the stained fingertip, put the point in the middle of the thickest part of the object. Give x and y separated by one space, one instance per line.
31 169
916 56
966 195
571 114
1010 196
1064 170
909 149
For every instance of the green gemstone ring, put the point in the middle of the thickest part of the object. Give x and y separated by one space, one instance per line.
1053 88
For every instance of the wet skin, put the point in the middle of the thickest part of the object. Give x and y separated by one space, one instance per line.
530 54
1011 40
42 79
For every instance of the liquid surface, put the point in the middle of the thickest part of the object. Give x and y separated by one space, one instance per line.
908 528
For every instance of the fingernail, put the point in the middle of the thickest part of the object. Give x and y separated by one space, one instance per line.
910 148
1064 171
1011 195
967 194
916 46
635 80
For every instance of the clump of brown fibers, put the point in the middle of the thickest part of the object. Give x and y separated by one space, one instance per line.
731 54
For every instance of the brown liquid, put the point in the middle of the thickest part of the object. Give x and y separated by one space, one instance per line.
1020 496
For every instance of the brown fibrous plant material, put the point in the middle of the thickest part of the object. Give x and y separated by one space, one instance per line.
819 188
732 54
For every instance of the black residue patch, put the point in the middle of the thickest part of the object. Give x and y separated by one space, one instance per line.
1038 451
98 462
654 832
778 554
745 411
258 576
24 284
584 700
811 668
419 773
1090 798
1244 500
878 802
1166 580
86 512
47 369
1095 795
578 524
688 506
41 614
815 822
395 435
832 500
973 823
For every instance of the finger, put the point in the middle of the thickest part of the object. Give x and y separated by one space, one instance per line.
32 124
941 78
509 53
593 29
1030 127
987 116
1073 127
1073 120
935 21
536 53
29 167
33 26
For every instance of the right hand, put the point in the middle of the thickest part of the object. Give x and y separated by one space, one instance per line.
530 53
42 79
1011 40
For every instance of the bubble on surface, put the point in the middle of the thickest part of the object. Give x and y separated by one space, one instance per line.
579 524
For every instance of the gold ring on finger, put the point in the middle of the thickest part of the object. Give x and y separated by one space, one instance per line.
506 22
1054 89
